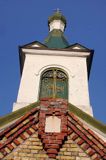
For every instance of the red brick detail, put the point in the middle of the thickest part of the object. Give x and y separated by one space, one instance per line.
18 122
91 141
53 141
10 146
16 142
104 157
70 125
85 147
17 129
29 132
3 152
52 151
55 146
74 137
23 136
52 155
98 150
80 142
91 152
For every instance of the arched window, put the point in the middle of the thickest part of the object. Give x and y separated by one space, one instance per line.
54 84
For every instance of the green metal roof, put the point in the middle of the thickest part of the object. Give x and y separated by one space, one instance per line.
56 40
16 114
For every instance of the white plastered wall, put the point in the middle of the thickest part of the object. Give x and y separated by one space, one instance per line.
75 67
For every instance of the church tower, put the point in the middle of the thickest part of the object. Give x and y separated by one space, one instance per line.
55 69
52 117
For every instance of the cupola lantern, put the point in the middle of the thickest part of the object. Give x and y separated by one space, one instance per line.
57 21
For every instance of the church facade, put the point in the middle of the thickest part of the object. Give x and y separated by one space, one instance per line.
52 117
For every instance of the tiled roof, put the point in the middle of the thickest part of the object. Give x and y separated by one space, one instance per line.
11 137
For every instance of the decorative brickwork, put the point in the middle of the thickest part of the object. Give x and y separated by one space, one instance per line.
71 151
31 149
15 134
74 141
53 141
86 138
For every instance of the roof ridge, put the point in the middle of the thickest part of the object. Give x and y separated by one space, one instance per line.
19 121
16 114
87 118
27 124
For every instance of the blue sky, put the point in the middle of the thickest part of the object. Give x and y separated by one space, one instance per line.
24 21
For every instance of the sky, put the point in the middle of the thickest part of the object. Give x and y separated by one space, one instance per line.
24 21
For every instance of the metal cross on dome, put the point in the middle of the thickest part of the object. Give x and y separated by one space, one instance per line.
57 10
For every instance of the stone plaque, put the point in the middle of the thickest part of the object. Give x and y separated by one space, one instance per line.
53 124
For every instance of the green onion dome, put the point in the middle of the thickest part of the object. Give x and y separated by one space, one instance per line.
57 16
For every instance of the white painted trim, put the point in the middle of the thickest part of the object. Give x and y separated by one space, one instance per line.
56 53
35 45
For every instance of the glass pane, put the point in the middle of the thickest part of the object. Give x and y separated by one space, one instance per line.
54 84
61 88
46 87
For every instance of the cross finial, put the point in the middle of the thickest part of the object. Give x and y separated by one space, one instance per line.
57 10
